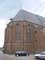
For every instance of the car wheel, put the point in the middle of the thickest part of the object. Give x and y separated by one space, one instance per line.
36 58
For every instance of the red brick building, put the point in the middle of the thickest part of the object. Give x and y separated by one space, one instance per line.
24 32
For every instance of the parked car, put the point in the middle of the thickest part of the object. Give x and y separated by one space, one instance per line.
21 53
40 55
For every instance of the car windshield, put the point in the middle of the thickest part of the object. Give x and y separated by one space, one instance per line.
21 51
43 53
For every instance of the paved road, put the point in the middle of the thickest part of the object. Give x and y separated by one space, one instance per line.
26 58
6 57
12 57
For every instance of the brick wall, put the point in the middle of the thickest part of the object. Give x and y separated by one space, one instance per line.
11 44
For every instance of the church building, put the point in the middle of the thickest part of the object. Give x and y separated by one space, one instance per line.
24 33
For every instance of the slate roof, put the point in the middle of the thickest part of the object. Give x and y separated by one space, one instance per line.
24 15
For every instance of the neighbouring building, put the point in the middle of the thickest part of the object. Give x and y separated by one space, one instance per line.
24 32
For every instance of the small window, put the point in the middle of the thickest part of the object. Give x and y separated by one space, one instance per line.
35 32
36 35
18 32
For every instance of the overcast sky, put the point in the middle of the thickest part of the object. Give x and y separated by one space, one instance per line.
9 8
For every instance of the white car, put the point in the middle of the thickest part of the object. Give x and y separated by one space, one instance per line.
40 55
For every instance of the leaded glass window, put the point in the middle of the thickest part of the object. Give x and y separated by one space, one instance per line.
18 32
29 32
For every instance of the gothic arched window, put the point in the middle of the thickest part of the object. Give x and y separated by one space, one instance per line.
18 32
29 32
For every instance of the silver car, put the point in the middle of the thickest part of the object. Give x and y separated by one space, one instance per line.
40 55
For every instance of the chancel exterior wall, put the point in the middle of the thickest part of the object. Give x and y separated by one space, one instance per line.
22 35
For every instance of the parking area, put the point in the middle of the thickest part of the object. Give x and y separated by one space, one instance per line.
31 57
13 57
